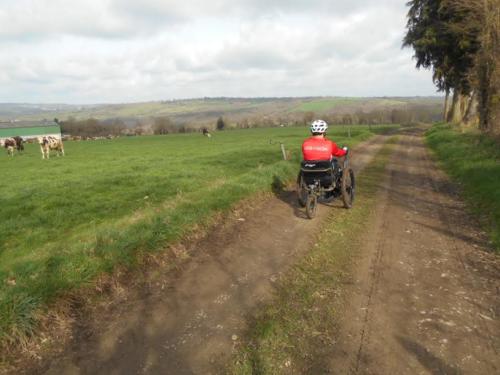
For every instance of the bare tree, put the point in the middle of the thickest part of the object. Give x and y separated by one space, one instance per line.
221 124
162 125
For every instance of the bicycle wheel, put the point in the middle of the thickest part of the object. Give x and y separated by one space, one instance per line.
301 191
348 187
311 205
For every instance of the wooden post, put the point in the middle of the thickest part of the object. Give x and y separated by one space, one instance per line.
283 151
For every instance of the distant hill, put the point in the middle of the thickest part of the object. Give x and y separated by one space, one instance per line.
206 110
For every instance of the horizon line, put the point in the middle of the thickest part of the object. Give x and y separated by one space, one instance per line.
225 97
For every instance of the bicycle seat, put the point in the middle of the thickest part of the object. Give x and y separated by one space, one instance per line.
317 170
316 166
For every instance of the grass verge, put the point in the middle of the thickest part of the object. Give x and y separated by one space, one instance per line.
472 160
296 333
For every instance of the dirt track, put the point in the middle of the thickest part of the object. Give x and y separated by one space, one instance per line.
425 297
422 300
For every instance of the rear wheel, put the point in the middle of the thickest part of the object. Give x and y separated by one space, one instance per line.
301 191
311 205
348 187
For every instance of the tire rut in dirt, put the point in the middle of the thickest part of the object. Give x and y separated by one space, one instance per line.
419 288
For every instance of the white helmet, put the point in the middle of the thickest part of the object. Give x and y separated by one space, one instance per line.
319 126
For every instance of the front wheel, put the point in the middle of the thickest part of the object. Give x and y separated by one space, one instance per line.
311 205
348 187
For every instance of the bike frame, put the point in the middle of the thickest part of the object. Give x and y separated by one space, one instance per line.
319 191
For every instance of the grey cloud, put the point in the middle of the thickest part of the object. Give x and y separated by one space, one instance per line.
112 51
185 10
32 20
252 58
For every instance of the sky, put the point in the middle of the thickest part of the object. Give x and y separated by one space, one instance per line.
112 51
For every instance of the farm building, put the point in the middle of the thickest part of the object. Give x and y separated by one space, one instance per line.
29 129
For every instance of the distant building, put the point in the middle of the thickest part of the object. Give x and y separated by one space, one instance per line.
29 129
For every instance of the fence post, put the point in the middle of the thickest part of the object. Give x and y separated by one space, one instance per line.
283 150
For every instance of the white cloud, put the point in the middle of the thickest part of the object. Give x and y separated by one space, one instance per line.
124 50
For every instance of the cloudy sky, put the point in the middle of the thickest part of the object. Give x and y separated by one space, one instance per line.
98 51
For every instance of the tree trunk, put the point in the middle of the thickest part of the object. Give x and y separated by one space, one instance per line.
463 101
454 103
484 93
471 116
446 100
488 70
458 108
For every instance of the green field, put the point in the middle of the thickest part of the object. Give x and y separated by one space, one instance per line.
326 105
323 105
67 220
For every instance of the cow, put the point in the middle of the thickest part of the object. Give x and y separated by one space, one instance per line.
49 143
10 145
19 143
206 133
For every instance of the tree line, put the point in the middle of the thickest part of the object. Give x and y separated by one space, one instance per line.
411 113
92 127
460 41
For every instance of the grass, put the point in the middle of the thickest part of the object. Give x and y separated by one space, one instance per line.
296 333
66 221
327 104
322 105
473 160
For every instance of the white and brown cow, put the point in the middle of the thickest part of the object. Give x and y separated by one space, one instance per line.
49 143
10 145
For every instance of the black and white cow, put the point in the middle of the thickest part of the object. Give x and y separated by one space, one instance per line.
206 133
19 143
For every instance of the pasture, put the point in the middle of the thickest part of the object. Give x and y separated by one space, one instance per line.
323 105
69 219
